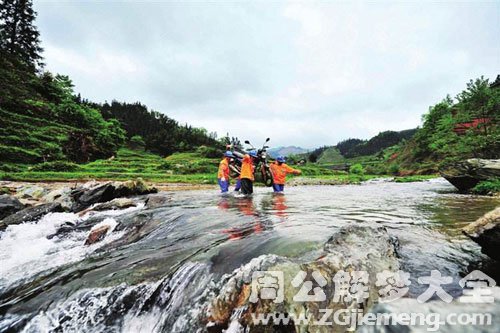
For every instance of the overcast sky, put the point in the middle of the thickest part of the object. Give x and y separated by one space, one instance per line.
305 74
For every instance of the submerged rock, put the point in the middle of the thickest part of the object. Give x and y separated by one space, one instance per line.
486 232
99 231
352 249
9 205
97 234
31 214
467 174
64 229
157 200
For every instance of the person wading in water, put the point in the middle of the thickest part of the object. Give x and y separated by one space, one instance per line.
247 169
280 169
223 173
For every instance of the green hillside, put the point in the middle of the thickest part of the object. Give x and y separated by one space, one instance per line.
127 164
331 156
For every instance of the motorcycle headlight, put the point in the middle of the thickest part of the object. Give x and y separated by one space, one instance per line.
264 155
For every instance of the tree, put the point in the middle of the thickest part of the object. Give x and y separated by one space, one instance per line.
18 34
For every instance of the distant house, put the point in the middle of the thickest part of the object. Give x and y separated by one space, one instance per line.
461 128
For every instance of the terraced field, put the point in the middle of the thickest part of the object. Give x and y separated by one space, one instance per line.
127 164
30 139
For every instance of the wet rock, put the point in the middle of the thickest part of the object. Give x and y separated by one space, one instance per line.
486 232
119 203
84 197
157 200
353 248
64 229
61 195
97 234
467 174
30 214
31 192
133 187
9 205
136 227
436 310
90 222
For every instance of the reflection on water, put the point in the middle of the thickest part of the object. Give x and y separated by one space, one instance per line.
223 232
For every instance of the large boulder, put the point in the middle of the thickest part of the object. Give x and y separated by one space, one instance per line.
31 214
9 205
352 249
467 174
486 232
85 197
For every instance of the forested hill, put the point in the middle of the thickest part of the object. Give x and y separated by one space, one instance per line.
161 134
356 147
453 130
41 118
457 128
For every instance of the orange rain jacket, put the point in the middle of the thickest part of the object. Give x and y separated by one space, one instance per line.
280 171
247 168
223 169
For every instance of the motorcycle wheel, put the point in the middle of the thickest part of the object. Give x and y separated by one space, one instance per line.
268 181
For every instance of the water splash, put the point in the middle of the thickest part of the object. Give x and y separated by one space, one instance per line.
146 307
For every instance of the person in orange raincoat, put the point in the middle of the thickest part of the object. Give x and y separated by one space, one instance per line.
223 173
280 169
246 175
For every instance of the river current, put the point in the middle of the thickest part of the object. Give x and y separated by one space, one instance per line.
161 280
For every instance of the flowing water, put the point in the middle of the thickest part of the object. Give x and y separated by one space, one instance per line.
161 279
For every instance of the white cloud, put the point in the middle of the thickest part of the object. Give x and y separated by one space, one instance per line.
302 73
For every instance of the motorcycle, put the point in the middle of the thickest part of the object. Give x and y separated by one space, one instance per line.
262 170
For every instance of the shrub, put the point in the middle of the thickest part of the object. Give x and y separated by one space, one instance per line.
189 166
137 142
375 170
209 152
487 187
55 166
394 169
357 169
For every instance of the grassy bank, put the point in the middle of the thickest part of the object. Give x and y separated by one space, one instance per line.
191 168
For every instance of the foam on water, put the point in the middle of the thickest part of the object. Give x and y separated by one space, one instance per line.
25 249
114 212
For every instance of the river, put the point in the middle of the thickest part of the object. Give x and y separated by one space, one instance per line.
161 279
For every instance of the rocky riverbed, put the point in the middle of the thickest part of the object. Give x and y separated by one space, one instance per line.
124 257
